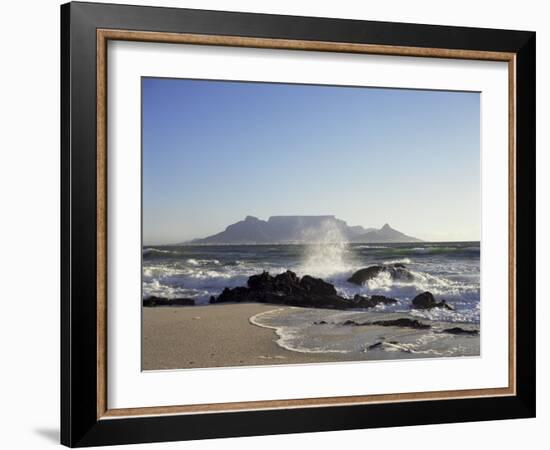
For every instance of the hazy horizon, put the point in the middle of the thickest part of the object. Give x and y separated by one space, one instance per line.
153 244
215 152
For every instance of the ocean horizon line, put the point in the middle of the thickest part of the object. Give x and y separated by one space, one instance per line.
260 244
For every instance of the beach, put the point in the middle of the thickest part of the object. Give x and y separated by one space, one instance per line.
214 336
226 328
252 334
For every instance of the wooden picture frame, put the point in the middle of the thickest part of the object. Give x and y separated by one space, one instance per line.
86 418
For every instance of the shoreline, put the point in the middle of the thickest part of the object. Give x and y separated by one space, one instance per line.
187 337
226 335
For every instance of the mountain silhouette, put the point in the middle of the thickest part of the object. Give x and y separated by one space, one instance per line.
302 229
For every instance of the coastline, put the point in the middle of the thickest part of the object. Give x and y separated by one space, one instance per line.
223 335
215 336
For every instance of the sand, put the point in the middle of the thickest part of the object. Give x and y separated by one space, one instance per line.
223 336
215 336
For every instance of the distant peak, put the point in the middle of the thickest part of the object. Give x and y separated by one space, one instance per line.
251 218
386 227
325 216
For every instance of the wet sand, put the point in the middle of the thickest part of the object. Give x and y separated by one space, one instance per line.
215 336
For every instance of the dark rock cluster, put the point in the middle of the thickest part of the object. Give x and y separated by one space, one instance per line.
289 289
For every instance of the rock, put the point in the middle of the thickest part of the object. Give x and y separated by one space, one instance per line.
161 301
370 302
353 323
350 322
286 289
396 271
317 286
264 281
236 295
148 302
461 331
363 275
289 289
402 322
321 322
182 302
426 300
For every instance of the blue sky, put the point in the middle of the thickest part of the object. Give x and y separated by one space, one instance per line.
216 151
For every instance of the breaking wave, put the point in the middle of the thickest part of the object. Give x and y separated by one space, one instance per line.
201 272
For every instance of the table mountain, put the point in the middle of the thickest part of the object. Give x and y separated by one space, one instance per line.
301 229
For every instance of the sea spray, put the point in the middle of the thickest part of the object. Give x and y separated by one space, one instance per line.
328 254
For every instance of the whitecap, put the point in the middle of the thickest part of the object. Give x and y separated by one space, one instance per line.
152 250
202 262
398 261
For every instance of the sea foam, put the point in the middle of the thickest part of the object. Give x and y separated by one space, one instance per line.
308 330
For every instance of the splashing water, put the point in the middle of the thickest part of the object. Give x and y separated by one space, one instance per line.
329 255
198 272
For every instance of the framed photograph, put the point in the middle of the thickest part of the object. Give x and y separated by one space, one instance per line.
277 224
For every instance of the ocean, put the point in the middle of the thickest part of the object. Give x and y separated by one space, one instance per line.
449 270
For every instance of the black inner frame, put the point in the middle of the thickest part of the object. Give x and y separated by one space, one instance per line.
79 423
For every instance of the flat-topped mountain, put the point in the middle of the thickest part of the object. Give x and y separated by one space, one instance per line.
301 229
